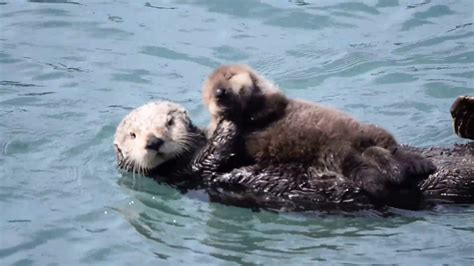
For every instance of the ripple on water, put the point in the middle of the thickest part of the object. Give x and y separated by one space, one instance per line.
443 90
16 147
230 54
395 78
135 76
163 52
70 70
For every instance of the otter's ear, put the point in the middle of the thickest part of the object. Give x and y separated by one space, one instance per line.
187 121
191 126
182 110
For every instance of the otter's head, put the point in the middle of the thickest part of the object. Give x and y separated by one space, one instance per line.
238 92
153 134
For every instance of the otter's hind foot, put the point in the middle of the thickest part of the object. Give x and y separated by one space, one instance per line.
365 172
389 168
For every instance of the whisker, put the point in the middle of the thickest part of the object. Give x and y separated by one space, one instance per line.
129 165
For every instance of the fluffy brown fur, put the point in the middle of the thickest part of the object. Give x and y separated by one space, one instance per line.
279 130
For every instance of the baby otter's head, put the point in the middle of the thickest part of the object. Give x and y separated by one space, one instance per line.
238 92
153 134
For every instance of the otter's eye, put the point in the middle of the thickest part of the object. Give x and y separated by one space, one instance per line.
132 135
170 121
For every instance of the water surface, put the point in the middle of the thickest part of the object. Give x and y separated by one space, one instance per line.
70 70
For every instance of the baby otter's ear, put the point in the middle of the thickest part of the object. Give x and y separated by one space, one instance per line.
254 79
228 74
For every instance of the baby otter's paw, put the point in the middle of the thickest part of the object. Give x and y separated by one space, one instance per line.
421 167
414 164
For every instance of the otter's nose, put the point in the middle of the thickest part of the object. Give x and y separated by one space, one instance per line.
154 143
219 93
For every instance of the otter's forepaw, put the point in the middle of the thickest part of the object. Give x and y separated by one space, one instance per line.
225 128
373 183
397 176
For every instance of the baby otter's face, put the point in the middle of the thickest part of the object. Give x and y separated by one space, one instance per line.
238 93
229 89
151 135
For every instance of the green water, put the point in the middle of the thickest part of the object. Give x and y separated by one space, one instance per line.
70 70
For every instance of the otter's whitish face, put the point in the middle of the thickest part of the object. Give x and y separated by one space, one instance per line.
151 135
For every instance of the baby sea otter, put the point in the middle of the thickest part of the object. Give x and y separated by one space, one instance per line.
278 130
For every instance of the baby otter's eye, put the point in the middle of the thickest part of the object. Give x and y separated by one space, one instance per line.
132 135
220 93
242 91
170 121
